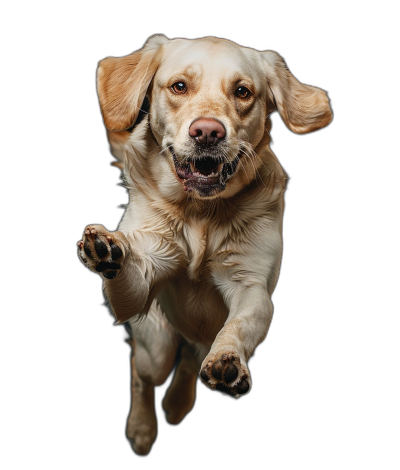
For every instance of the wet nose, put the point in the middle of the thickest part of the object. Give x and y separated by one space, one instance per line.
207 131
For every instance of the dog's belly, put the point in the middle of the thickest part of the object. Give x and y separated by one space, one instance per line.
196 310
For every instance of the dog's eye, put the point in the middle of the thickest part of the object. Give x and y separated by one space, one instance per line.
179 87
242 92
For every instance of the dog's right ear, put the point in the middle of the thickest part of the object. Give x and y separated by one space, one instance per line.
122 83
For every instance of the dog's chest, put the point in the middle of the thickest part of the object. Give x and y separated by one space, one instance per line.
201 241
191 301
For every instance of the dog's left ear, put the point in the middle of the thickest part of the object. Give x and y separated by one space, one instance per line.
303 108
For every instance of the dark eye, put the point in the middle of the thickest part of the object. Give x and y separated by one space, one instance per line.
179 87
242 92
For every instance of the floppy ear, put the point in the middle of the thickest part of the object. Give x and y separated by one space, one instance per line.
122 83
303 108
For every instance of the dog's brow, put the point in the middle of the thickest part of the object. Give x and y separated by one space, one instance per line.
191 72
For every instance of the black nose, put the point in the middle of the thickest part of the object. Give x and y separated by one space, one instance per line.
207 131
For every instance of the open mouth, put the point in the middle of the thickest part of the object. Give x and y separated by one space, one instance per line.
207 174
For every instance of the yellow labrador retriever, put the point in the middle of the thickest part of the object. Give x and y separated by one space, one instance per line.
198 251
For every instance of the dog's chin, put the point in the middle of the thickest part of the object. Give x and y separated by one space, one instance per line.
204 177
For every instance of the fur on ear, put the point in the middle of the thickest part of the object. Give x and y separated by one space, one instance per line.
122 83
303 108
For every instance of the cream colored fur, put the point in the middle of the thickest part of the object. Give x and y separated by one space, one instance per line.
198 270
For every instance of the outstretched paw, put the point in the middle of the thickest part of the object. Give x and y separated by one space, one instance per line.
225 372
102 251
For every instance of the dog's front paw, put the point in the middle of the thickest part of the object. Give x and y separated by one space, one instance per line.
102 251
224 372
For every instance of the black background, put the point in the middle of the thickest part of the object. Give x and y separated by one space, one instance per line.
303 407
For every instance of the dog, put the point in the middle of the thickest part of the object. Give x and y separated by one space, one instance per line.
196 257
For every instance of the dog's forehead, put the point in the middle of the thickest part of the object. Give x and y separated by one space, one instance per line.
200 56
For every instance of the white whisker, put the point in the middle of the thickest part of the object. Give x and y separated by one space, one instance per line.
255 155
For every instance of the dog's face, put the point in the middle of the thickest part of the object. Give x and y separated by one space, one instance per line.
210 100
210 113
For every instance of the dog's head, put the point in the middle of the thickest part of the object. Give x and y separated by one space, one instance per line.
209 103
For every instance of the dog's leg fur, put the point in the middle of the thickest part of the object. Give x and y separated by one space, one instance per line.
141 427
248 298
154 347
181 394
225 367
132 265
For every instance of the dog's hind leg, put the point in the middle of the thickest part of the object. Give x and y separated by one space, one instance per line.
141 429
154 348
181 394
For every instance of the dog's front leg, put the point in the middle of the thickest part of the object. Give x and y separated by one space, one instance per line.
131 264
250 314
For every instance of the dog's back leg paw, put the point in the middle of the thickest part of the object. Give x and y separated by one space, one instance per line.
142 438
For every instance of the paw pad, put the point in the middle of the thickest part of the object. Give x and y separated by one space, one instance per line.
226 374
99 251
